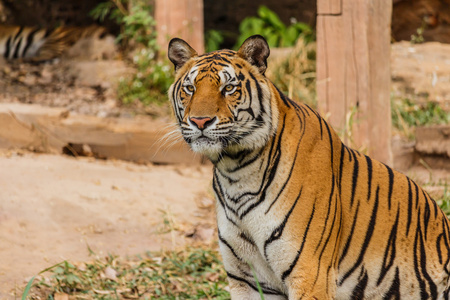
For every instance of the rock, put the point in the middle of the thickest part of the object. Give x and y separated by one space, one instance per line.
433 140
421 72
102 73
433 146
53 130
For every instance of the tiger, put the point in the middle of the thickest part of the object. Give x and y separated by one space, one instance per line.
36 44
300 215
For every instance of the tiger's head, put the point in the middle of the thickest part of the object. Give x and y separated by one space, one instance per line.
222 100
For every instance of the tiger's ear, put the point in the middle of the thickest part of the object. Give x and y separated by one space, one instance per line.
255 50
180 52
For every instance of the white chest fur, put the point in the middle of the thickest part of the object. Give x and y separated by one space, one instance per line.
245 223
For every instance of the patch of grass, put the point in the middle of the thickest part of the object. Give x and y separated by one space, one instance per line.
406 115
194 273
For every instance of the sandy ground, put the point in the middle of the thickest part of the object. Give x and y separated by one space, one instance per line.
52 207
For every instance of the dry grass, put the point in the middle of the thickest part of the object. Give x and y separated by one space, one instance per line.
194 273
293 71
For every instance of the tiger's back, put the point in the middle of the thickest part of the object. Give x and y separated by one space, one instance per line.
311 217
394 239
39 44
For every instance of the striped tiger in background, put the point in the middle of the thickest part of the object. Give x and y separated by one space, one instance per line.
37 44
299 212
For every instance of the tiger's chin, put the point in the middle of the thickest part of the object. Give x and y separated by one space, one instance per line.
208 147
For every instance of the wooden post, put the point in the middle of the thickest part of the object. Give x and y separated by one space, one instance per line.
353 72
182 19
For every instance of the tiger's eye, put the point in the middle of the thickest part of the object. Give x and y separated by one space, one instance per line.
189 88
229 88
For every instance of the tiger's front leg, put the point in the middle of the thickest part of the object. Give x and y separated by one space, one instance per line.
321 288
243 291
246 267
242 281
313 276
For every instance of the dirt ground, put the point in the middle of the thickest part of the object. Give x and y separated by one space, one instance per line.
52 207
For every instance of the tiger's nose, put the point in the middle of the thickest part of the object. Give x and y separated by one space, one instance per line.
202 122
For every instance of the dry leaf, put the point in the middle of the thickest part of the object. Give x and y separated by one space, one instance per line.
61 296
110 273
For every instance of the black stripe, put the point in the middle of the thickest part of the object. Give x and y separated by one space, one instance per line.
175 100
446 231
417 193
30 38
266 290
283 97
269 173
319 118
350 157
325 246
410 200
228 178
349 239
354 178
331 143
389 254
369 176
48 32
426 215
278 232
247 239
250 99
358 292
367 238
391 185
7 48
248 162
290 171
420 270
438 247
229 247
330 198
341 166
305 235
18 33
219 193
394 291
258 87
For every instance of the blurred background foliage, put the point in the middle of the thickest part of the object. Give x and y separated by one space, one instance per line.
292 64
153 72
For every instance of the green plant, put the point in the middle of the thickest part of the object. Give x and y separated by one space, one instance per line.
150 82
194 273
417 38
260 291
152 77
269 25
213 39
406 115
